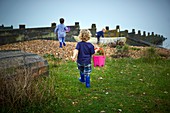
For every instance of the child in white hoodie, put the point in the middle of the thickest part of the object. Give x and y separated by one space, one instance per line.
60 30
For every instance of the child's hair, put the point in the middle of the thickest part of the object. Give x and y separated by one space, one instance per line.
85 35
103 29
61 20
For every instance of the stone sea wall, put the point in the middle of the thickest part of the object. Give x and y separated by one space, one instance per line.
23 34
10 35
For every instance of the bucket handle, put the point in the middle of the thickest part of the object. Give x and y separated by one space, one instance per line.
101 49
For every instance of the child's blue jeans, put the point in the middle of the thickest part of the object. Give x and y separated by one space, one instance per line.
62 41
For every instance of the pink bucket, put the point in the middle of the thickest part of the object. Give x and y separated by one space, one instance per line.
99 60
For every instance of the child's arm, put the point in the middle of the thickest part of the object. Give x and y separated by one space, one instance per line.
102 34
75 53
66 29
55 30
96 48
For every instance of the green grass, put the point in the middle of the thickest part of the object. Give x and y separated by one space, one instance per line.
127 85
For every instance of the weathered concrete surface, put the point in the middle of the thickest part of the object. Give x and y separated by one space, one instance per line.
16 62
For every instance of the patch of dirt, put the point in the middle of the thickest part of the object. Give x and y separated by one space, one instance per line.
42 47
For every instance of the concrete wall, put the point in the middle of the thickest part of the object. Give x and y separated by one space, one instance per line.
151 38
23 34
10 35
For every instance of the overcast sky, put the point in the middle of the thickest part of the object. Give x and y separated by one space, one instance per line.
144 15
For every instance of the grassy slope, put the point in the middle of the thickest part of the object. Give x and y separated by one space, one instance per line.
122 85
127 85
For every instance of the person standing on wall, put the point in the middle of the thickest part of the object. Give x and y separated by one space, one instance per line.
100 34
61 30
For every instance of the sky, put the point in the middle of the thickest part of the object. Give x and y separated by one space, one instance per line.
144 15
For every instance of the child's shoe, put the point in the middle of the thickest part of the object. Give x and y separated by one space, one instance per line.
64 44
87 81
81 79
60 45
